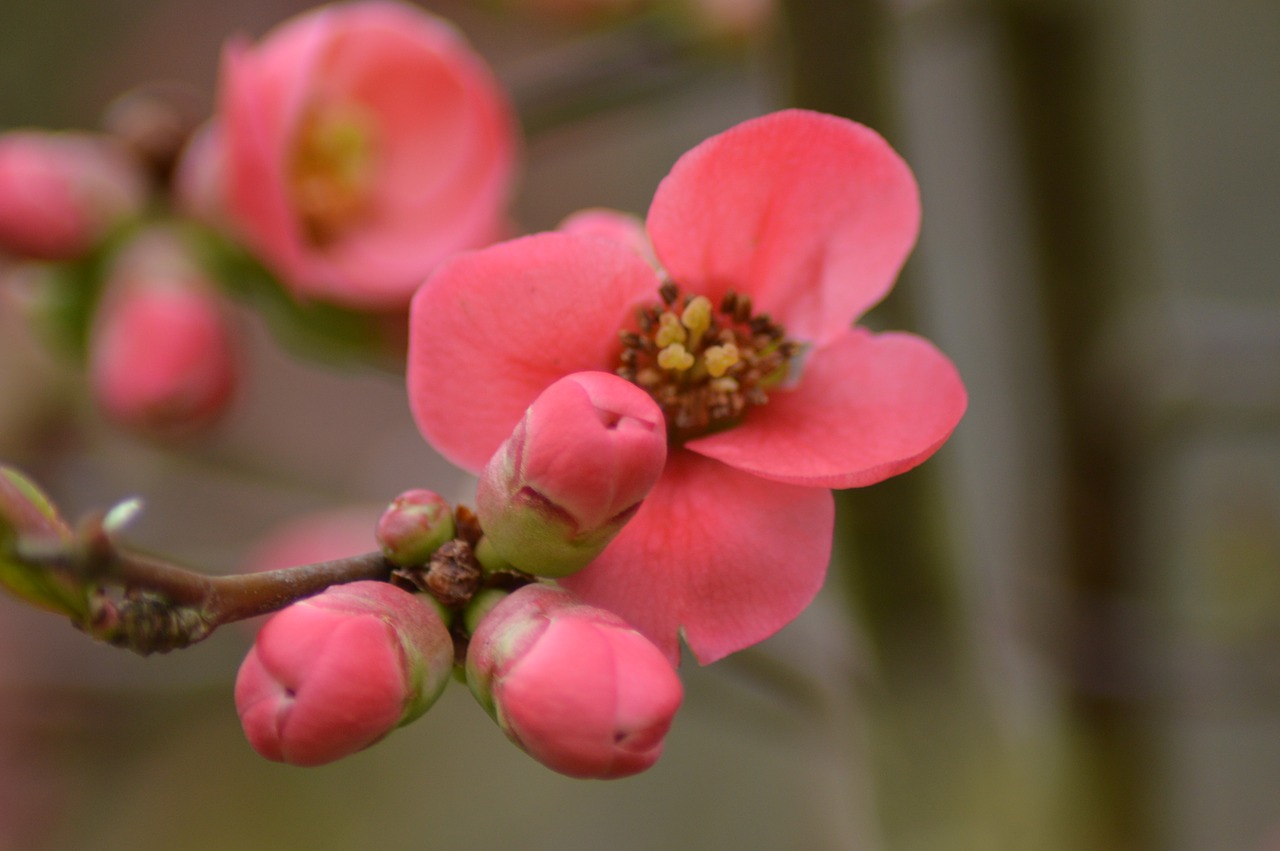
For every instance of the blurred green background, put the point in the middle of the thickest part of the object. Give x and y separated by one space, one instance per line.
1060 633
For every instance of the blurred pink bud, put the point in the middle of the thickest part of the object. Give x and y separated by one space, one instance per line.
335 673
359 145
414 526
61 192
575 686
160 356
586 454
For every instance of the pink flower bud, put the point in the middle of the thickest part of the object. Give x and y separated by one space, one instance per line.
160 356
61 192
414 526
574 471
335 673
575 686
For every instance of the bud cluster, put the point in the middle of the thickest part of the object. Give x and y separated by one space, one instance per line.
574 686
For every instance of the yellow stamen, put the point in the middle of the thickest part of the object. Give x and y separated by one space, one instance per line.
720 358
332 169
669 330
697 318
675 358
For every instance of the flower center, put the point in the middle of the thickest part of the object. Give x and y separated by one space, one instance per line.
332 170
704 367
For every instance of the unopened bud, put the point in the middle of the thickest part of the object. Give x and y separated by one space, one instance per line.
574 471
576 687
414 526
335 673
160 356
60 193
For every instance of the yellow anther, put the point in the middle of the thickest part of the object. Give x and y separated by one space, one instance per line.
332 169
669 331
720 358
675 358
697 316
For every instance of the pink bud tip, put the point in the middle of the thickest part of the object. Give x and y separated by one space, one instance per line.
575 686
161 352
61 192
335 673
577 466
414 526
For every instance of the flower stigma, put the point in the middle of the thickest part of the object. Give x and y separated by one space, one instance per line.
332 170
705 366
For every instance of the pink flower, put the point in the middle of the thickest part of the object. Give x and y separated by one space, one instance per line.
576 687
160 357
357 146
61 192
333 674
574 471
774 237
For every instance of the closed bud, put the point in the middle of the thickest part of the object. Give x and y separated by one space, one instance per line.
414 526
160 355
576 687
574 471
335 673
60 193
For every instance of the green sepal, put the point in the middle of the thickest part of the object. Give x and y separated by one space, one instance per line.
27 517
312 329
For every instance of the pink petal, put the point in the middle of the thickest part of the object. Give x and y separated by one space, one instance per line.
721 556
867 407
604 223
810 214
491 329
446 146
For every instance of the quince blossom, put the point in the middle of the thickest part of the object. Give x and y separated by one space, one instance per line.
355 147
773 237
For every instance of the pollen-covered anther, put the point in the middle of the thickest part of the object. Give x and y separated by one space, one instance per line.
719 358
704 365
696 317
674 357
670 331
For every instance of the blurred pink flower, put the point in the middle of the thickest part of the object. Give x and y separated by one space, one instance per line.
161 356
576 687
355 147
575 470
61 192
335 673
798 216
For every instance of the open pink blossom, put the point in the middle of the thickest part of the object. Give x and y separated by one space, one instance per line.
774 236
332 674
356 146
575 686
60 193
